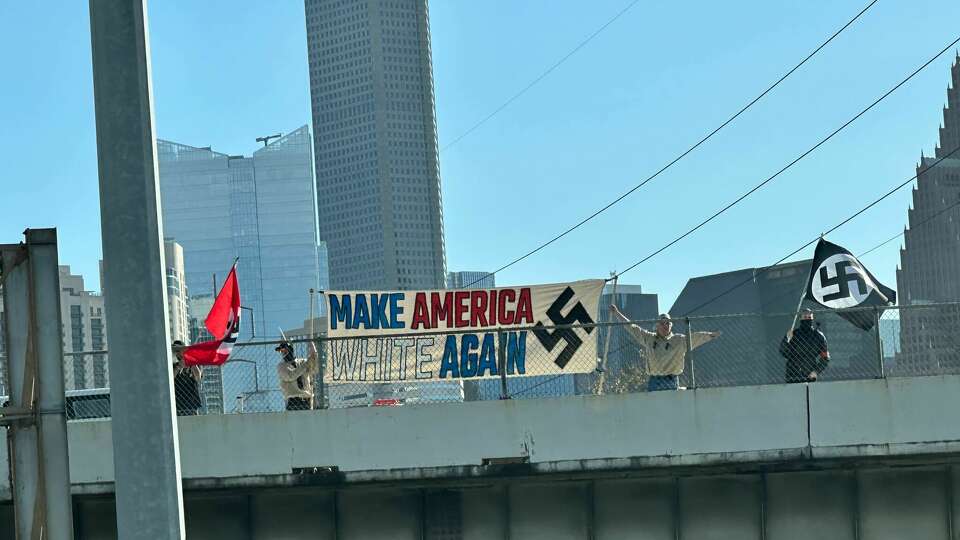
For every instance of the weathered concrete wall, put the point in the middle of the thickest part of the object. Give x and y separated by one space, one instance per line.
885 417
713 426
716 421
877 504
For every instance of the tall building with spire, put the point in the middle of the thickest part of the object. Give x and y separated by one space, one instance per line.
929 271
375 141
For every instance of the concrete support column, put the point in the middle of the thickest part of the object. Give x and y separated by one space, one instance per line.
41 470
145 446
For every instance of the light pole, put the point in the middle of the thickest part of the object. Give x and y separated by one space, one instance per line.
242 397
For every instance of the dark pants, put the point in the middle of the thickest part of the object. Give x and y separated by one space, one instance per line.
298 404
661 382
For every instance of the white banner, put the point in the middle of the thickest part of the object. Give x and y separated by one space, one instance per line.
375 352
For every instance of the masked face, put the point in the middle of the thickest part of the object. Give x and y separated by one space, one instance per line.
286 355
806 323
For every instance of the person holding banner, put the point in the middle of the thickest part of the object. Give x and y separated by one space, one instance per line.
805 349
296 377
666 351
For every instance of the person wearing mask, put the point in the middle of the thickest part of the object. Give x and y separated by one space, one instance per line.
665 350
296 377
186 383
805 349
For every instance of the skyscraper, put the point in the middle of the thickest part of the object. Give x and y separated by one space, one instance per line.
930 255
260 209
176 291
81 313
375 133
472 280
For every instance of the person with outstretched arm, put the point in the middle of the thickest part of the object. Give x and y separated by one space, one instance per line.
666 350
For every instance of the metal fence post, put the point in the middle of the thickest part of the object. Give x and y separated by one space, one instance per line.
876 324
693 372
321 361
502 363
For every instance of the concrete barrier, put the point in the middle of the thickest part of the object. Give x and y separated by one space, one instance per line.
894 416
713 426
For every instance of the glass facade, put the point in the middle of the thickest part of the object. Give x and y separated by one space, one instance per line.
261 209
371 83
472 280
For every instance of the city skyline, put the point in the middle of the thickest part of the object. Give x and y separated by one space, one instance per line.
530 148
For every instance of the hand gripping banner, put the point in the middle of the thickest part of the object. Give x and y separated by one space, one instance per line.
393 336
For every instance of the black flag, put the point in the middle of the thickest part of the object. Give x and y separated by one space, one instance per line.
838 280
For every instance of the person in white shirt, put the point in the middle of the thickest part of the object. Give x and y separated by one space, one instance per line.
296 377
666 350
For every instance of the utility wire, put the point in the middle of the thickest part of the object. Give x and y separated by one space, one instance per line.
830 230
540 77
792 163
914 227
806 245
686 152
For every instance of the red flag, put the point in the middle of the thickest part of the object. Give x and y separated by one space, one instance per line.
223 322
226 308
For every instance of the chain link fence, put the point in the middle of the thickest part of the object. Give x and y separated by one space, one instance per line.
722 350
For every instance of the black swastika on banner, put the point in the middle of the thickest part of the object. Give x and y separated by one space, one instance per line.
842 280
549 340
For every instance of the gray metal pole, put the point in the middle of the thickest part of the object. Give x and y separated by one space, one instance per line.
502 363
25 467
145 445
693 371
43 506
54 454
879 340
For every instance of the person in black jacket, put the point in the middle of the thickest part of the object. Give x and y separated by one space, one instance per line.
805 349
186 383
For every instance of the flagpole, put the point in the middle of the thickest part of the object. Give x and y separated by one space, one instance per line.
803 294
606 341
312 329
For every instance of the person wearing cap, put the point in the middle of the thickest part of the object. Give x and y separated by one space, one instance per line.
805 349
296 377
665 349
186 383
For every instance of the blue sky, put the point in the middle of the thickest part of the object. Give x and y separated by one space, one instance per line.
657 79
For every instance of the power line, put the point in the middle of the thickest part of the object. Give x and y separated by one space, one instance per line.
686 152
806 245
540 77
830 230
914 227
792 163
874 248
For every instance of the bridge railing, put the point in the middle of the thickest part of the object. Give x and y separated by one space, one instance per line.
715 350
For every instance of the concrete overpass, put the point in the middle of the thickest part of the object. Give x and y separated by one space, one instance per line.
854 459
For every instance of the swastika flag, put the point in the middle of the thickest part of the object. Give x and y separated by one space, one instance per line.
223 322
838 280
